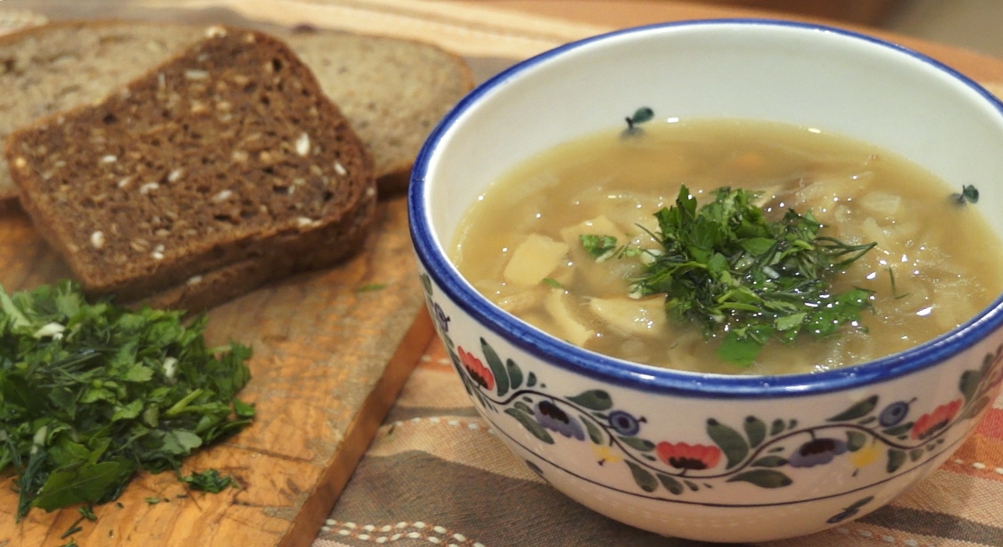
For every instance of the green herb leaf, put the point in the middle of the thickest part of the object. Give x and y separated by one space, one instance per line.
371 287
598 245
87 512
642 115
210 481
92 392
746 279
969 194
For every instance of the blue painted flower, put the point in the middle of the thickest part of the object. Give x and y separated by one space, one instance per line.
817 452
893 414
552 417
441 318
624 423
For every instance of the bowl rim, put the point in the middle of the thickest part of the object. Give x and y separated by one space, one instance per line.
649 378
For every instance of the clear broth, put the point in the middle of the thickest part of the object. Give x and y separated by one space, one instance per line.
936 263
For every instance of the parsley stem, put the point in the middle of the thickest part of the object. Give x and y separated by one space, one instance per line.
180 406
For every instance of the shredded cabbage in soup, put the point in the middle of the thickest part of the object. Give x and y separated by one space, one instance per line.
529 245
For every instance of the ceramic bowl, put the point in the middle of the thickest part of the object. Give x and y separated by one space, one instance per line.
703 456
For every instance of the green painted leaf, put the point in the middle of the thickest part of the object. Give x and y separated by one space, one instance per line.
638 444
915 454
594 432
898 430
763 478
497 369
531 380
969 383
769 461
858 410
730 441
670 484
642 477
895 460
692 485
531 425
776 427
755 430
855 440
523 407
860 503
514 374
974 410
595 399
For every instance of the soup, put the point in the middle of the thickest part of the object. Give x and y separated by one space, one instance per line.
934 263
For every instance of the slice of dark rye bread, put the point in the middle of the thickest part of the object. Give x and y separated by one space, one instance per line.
392 91
225 164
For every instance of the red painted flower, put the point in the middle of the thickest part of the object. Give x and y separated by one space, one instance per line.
927 424
684 456
476 369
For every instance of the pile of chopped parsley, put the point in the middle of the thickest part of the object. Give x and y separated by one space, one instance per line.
728 269
92 393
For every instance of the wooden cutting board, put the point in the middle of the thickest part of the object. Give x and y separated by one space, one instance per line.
331 351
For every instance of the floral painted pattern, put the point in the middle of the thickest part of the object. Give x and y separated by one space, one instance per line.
685 456
476 370
764 452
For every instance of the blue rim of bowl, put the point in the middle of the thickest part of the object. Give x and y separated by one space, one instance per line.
654 379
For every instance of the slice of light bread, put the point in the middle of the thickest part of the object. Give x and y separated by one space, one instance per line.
392 91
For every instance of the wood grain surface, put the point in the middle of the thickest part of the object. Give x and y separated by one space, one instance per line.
331 351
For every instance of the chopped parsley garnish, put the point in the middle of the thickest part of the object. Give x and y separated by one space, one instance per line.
604 247
600 247
969 194
551 282
728 269
87 512
371 287
210 481
91 393
641 115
